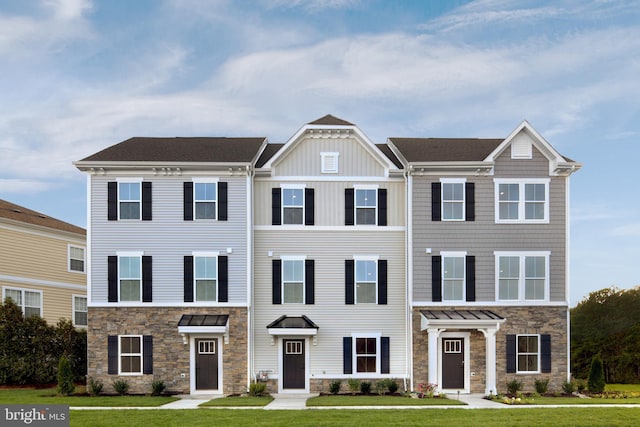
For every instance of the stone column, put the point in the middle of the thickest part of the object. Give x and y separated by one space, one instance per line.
433 356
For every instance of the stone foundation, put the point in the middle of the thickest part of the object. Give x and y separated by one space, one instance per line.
519 320
170 355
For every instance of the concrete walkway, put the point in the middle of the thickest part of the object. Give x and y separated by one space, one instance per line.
475 401
289 401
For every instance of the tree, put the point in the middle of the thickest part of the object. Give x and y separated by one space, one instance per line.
596 376
66 386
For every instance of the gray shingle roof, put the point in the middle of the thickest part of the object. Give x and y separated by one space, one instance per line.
445 149
331 121
19 213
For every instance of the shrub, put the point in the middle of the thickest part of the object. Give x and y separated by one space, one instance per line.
334 387
257 389
120 386
568 387
596 376
95 387
381 386
581 386
354 385
157 387
392 386
514 386
542 385
66 387
365 387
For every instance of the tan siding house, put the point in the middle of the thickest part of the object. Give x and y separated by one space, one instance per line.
43 266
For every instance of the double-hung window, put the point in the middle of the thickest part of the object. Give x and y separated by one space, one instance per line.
76 259
130 350
366 354
293 205
453 276
366 205
293 281
522 201
29 301
528 353
205 200
366 281
129 200
453 200
79 310
206 278
522 276
130 277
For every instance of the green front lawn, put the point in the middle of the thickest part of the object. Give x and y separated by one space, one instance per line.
239 401
562 400
48 396
623 387
374 400
361 417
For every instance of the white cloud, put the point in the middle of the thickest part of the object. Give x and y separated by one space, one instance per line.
627 230
24 186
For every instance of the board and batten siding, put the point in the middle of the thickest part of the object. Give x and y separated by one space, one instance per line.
168 237
483 236
335 319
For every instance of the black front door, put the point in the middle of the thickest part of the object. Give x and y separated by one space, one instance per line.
452 363
293 364
207 364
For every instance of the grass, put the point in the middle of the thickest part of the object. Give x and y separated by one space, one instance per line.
49 396
575 401
622 387
239 401
374 400
370 418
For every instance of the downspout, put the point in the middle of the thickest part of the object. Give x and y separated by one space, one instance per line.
567 273
250 376
409 274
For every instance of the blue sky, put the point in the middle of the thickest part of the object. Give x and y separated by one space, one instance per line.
80 75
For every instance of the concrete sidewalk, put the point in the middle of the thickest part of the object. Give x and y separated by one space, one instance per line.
290 401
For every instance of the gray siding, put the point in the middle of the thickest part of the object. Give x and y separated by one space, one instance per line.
168 238
483 236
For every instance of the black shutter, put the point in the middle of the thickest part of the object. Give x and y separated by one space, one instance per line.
347 365
276 204
511 354
382 281
112 354
146 201
436 201
309 279
112 278
112 201
188 278
222 201
147 276
308 206
349 218
436 278
471 278
223 278
470 201
382 206
276 288
349 281
147 354
188 201
385 365
545 353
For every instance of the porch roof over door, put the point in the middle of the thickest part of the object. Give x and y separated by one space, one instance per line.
292 325
203 323
460 319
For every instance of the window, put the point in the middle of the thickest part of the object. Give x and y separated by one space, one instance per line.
205 200
528 353
453 200
293 205
329 162
365 206
293 281
207 347
76 259
130 351
366 354
453 277
29 301
129 200
522 201
130 278
205 278
366 281
79 310
522 276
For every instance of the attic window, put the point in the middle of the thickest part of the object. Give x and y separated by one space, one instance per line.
329 162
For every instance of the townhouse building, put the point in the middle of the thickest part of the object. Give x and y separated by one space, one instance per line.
215 262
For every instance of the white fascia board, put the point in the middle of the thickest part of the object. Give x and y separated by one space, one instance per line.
98 167
484 167
202 329
537 139
292 331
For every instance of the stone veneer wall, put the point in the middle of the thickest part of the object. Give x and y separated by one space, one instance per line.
170 355
519 320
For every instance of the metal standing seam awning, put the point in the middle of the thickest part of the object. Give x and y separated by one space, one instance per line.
293 325
204 324
459 319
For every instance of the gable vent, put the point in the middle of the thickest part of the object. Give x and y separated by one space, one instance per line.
329 162
522 147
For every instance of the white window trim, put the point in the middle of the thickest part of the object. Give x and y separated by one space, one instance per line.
302 258
84 259
517 353
324 163
521 201
522 255
130 181
195 181
462 181
455 254
304 201
22 291
138 254
198 254
357 187
120 354
354 355
73 310
357 258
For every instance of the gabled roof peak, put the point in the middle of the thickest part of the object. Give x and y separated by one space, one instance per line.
330 120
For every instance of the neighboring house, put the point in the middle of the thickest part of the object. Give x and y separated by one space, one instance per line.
170 232
43 267
220 261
